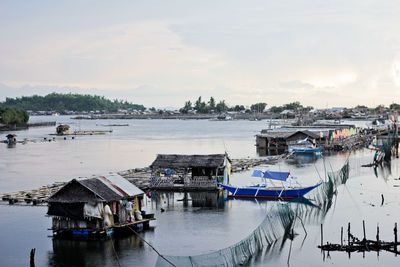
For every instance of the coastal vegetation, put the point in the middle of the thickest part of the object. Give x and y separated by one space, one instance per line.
212 106
67 102
12 116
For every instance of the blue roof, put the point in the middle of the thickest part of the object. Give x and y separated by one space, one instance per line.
281 176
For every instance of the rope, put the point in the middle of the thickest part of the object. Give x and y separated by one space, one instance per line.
115 252
151 246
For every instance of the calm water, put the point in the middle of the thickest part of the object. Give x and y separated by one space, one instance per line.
201 224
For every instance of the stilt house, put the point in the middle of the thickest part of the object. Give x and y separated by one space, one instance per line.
94 205
11 139
62 129
190 172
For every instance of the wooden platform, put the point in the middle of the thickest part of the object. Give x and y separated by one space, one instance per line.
101 233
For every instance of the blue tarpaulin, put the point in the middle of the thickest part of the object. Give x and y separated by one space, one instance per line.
281 176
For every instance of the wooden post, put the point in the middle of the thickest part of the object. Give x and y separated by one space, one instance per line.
395 237
32 262
364 230
341 236
348 234
377 234
322 235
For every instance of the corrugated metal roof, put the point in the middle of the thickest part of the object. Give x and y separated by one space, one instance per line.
121 185
110 187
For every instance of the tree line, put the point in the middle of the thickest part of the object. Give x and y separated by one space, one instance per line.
11 116
212 106
69 102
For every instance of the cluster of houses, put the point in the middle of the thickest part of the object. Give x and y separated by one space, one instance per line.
102 205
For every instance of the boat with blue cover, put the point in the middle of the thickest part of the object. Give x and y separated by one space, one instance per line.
306 150
305 147
286 192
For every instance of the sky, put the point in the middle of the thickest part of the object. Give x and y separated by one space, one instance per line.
330 53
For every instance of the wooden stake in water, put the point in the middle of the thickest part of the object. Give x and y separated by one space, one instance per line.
364 230
32 258
322 235
395 237
341 236
348 234
377 234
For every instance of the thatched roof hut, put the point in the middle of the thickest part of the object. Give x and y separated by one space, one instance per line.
189 161
190 172
62 129
11 138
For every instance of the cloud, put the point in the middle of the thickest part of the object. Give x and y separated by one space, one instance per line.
270 51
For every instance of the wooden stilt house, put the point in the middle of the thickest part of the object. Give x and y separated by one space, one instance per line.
190 172
62 129
95 206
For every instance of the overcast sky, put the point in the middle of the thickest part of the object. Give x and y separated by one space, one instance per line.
162 53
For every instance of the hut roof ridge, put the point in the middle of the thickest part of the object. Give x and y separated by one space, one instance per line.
187 161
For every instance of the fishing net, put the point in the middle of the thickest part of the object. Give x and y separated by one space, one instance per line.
323 195
388 143
277 224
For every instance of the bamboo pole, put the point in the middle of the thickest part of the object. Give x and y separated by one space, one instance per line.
377 234
395 237
32 257
348 234
364 230
322 235
341 236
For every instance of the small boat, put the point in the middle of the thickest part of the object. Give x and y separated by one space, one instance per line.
306 150
262 191
305 147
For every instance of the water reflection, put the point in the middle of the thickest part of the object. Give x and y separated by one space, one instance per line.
85 252
170 200
302 160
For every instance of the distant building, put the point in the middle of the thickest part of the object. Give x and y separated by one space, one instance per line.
62 129
287 114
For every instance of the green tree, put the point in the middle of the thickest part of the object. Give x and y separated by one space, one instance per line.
238 108
275 109
211 103
259 107
221 106
394 106
74 102
186 108
13 116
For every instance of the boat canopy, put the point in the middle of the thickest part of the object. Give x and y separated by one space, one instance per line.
281 176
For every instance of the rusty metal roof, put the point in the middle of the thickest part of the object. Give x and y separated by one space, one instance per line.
110 187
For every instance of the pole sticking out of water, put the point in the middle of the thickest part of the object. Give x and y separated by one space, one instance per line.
348 234
377 233
395 237
32 257
322 235
364 230
341 236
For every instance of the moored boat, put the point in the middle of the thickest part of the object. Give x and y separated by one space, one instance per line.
305 147
285 192
306 150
